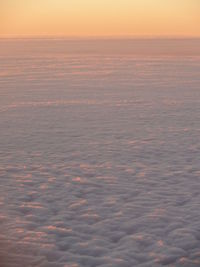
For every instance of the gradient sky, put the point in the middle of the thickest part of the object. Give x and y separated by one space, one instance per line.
100 17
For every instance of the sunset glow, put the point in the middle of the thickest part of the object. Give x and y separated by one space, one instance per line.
99 133
100 17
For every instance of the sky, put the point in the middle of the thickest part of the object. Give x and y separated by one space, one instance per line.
100 17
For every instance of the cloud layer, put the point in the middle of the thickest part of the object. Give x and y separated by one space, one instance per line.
99 161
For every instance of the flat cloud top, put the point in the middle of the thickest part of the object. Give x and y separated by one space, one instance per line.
99 161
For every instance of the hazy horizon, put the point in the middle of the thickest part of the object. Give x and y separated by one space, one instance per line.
91 37
132 46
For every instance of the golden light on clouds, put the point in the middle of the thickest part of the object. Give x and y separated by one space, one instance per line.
100 17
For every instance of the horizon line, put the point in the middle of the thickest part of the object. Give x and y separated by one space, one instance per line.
99 37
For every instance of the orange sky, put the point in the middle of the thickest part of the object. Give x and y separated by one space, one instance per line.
100 17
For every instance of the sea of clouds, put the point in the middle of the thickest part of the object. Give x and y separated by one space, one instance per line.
99 160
